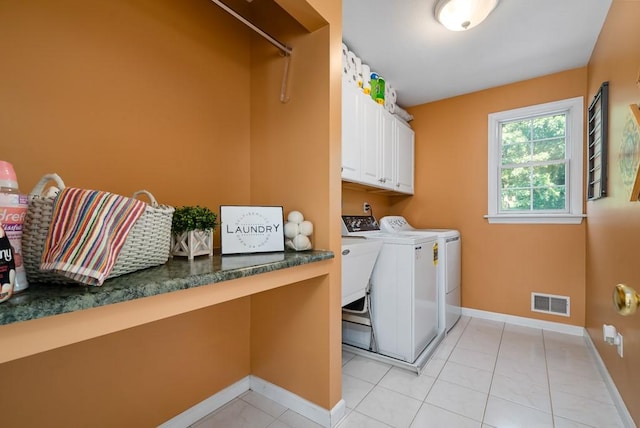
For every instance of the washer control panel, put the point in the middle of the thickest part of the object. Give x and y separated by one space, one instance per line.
394 224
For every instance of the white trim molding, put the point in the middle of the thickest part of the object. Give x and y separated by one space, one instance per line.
627 420
320 415
209 405
525 322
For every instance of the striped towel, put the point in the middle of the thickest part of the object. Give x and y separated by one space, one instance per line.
88 229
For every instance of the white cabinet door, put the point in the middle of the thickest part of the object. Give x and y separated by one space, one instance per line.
387 149
405 155
370 149
351 140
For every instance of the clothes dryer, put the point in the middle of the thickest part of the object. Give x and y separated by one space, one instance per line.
449 256
404 303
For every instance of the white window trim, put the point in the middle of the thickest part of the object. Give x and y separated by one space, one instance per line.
574 107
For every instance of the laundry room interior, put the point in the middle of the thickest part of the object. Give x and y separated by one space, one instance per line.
451 193
418 301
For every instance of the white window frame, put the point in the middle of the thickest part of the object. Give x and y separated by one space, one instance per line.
574 110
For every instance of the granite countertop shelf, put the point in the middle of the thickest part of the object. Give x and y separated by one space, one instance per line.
43 300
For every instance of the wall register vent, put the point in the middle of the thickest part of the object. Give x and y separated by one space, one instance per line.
550 304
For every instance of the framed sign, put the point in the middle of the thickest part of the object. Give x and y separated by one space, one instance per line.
251 229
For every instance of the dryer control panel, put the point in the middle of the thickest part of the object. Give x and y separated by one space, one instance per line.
359 223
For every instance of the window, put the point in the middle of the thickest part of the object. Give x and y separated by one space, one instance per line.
535 164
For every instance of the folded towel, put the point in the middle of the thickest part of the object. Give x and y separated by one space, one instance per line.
88 229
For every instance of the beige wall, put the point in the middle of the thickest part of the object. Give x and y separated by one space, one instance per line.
183 100
501 264
613 229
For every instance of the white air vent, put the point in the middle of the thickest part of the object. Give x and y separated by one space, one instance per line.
550 304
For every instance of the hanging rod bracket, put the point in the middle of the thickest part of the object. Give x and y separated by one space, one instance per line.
284 48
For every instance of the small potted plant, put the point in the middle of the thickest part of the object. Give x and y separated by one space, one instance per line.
192 231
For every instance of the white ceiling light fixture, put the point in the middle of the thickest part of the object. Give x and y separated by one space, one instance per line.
460 15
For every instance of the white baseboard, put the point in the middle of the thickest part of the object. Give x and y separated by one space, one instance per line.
611 386
320 415
298 404
211 404
525 322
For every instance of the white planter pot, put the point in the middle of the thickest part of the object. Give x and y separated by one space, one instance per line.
192 243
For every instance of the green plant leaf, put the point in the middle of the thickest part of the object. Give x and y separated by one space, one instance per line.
193 218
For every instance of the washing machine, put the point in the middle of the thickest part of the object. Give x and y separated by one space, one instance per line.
403 293
449 243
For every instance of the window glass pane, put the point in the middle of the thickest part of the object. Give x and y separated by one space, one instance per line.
516 153
549 175
547 150
516 132
549 127
516 199
516 177
549 198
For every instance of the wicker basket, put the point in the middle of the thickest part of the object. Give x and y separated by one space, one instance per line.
148 242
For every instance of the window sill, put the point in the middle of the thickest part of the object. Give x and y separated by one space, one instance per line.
535 218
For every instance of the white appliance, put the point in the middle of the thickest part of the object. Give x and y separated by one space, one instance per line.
449 242
403 295
359 256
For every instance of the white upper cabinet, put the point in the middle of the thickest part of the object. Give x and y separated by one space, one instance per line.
387 146
405 152
377 147
350 133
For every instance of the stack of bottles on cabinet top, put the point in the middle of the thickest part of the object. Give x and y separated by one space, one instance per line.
355 72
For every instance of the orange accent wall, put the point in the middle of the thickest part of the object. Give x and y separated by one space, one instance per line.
296 330
613 229
181 99
122 96
138 377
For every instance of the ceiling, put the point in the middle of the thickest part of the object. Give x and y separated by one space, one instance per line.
521 39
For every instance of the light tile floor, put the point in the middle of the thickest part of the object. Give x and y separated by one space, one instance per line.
485 374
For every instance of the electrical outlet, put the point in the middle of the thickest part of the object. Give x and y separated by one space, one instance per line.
619 342
366 207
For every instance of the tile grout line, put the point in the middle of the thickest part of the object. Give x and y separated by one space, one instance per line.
493 374
546 369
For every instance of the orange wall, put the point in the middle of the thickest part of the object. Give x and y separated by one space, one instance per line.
139 377
162 95
122 96
293 159
127 95
354 197
613 229
501 264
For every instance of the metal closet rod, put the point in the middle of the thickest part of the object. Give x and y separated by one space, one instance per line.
284 48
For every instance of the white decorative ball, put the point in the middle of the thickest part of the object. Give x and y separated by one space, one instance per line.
296 217
306 228
291 230
301 243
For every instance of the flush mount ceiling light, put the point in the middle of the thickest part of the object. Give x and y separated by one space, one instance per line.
460 15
